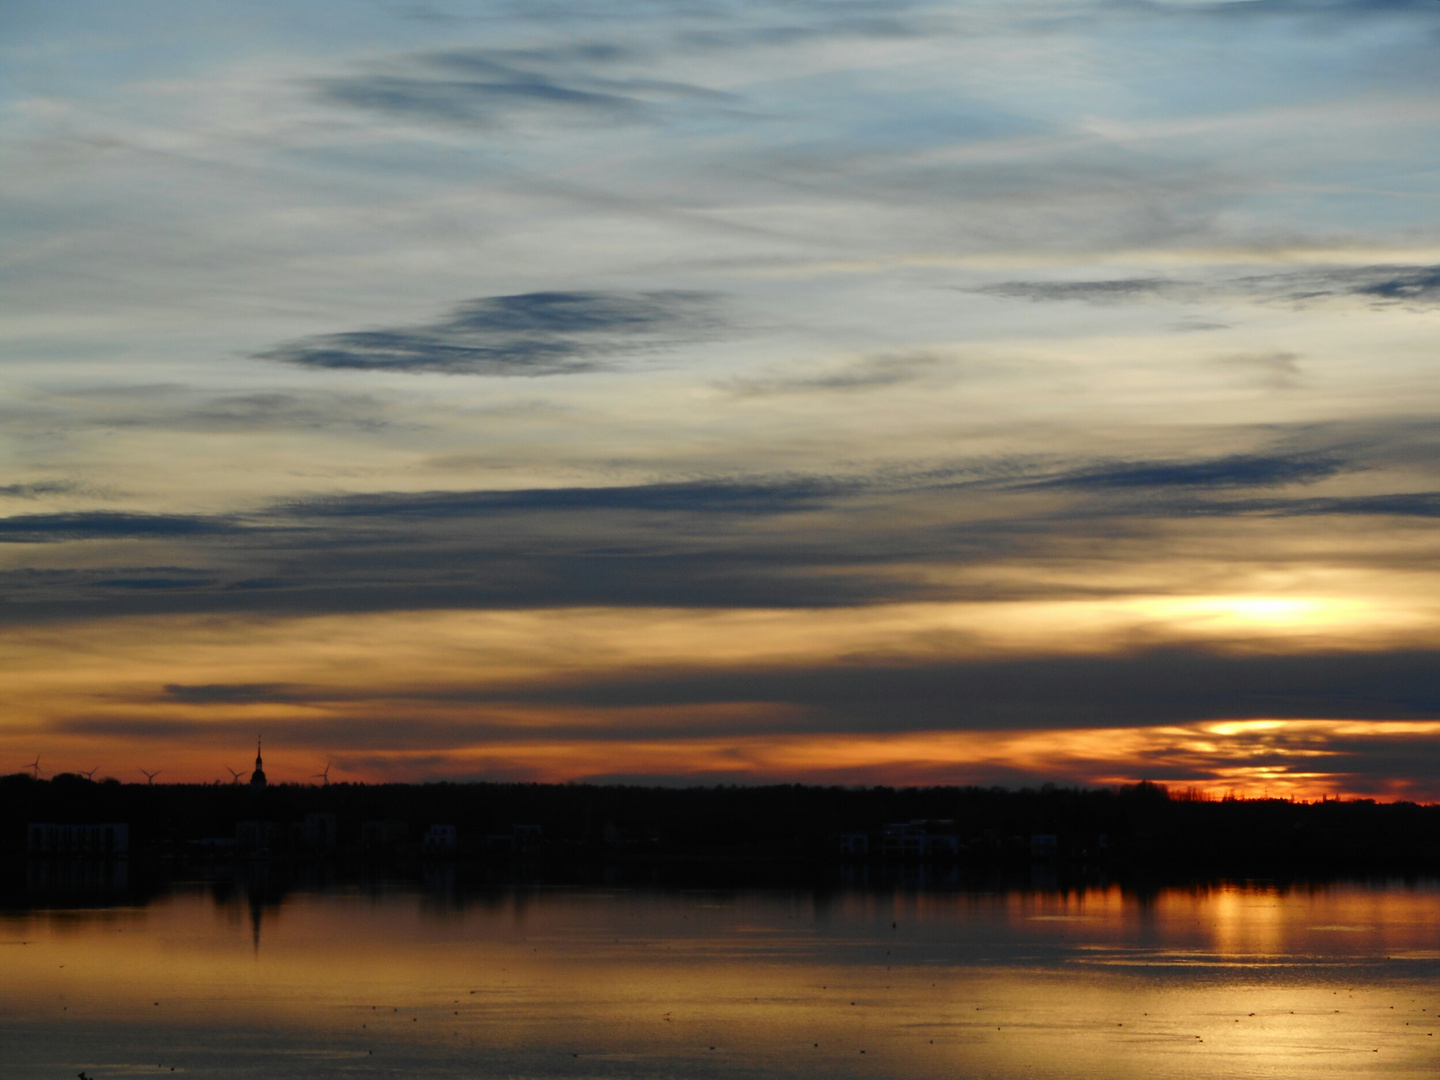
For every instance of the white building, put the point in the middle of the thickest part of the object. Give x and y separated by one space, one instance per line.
100 840
440 838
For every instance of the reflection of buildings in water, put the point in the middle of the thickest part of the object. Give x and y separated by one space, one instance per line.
264 885
98 879
1043 876
257 914
258 884
439 878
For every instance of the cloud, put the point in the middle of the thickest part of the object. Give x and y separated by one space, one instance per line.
37 489
288 411
1417 285
1147 688
234 693
1382 285
467 101
133 580
480 87
869 373
881 23
106 525
353 733
1421 504
1273 370
1105 291
884 536
1235 471
1318 13
695 497
530 334
173 407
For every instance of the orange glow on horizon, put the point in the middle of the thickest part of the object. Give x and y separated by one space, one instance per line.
463 695
1244 759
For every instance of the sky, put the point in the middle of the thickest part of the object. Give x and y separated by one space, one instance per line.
823 391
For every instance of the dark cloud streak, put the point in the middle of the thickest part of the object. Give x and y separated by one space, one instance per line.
107 525
1235 471
37 489
776 541
480 87
1146 688
1153 687
1116 290
1382 285
530 334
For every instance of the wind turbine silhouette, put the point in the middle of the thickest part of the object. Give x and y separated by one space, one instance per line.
89 774
150 776
234 775
36 766
324 776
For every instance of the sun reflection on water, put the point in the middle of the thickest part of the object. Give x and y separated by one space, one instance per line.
1208 981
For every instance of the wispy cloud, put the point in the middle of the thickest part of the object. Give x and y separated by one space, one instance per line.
530 334
1273 370
105 525
699 497
191 408
867 22
1400 284
1236 471
1102 291
488 87
234 693
893 535
37 489
1416 286
1154 686
1316 13
868 373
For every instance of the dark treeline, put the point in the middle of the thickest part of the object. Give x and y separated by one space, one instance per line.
1134 827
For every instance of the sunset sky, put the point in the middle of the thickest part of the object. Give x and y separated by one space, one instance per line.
835 391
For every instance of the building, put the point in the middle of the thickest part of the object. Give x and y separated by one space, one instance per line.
914 840
316 835
257 778
906 840
524 840
319 833
258 838
440 839
383 835
105 841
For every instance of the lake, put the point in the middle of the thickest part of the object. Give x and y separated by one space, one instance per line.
417 980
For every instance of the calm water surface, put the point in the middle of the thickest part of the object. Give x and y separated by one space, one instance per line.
1233 981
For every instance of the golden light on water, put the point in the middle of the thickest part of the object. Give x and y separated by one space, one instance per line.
1092 982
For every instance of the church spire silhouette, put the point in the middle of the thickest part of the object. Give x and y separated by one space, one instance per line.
257 778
